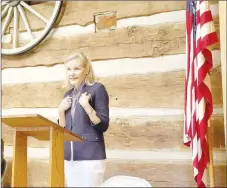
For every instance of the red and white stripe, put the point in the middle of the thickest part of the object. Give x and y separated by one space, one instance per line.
198 99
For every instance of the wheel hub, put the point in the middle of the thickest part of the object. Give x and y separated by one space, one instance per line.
13 3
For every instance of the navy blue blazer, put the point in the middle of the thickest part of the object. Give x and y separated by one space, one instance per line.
93 146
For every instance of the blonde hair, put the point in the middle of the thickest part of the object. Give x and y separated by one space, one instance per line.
90 78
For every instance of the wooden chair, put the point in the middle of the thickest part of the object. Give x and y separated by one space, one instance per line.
126 181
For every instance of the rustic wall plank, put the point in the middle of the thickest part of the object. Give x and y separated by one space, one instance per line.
166 174
150 90
131 42
156 135
124 10
162 175
125 134
82 11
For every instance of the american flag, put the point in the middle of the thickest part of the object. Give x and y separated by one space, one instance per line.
200 34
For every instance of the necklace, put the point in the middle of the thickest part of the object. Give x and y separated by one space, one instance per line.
75 99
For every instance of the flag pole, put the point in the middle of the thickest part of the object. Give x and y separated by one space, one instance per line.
210 134
211 163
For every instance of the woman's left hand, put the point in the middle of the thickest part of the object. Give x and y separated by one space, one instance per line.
84 99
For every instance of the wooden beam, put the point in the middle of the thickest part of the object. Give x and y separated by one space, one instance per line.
141 134
19 167
83 12
158 174
222 14
56 167
158 90
176 174
131 42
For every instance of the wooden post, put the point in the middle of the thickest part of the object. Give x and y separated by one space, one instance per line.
19 167
210 140
222 23
210 133
56 174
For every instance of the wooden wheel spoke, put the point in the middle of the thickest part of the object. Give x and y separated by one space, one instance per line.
4 11
7 20
34 11
25 20
15 27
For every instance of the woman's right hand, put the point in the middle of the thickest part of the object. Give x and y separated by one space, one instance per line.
65 103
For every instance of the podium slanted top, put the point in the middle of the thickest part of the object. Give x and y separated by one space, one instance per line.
37 126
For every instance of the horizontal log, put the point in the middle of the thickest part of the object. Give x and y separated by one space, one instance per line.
156 135
130 42
166 174
132 134
83 12
149 90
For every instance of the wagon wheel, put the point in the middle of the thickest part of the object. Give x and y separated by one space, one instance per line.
17 16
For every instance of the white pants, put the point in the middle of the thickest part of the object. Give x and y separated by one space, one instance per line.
87 173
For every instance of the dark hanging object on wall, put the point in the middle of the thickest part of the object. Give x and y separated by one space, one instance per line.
3 161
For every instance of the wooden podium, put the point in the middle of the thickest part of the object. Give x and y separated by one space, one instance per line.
42 129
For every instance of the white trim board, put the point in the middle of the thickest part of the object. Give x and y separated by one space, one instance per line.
163 155
105 68
140 114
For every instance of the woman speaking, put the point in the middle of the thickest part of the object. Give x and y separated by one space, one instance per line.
84 110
